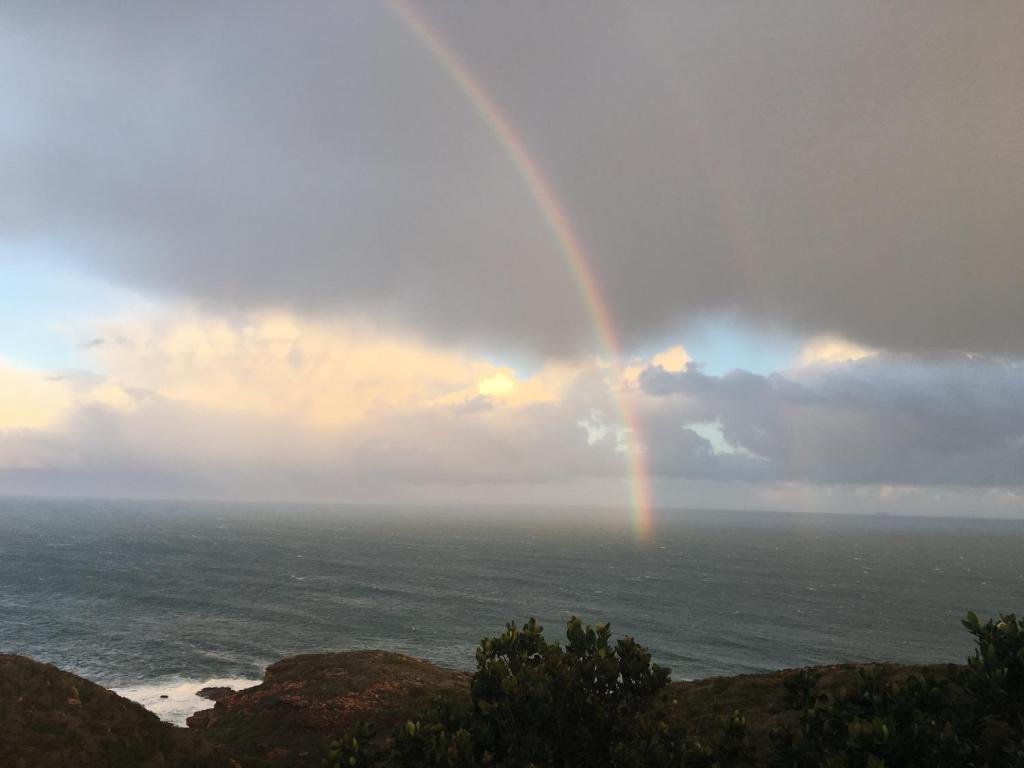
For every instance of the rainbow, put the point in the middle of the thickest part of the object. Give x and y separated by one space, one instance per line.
561 228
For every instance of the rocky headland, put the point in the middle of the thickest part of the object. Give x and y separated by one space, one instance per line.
49 717
53 718
304 701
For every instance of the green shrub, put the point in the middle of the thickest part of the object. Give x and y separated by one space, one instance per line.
537 703
356 750
591 702
995 672
595 702
971 716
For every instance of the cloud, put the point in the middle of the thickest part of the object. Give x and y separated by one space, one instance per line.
877 420
277 365
837 168
259 401
271 405
831 349
30 399
268 404
242 455
672 360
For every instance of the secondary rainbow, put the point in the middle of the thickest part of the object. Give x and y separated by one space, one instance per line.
569 243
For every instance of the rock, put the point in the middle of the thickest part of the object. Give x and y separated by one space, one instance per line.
215 692
305 701
164 696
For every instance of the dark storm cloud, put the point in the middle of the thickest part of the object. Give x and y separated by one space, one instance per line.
893 420
831 166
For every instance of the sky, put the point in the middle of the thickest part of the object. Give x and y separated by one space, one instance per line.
664 254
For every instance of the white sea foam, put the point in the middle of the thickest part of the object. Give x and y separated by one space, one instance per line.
181 700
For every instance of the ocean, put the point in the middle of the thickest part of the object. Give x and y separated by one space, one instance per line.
161 598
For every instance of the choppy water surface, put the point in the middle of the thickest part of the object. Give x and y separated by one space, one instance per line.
143 594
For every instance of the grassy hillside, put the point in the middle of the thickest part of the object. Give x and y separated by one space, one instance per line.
49 717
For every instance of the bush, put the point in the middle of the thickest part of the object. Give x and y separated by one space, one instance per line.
538 703
995 672
971 716
593 702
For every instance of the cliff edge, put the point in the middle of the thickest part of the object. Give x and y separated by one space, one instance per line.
305 701
49 717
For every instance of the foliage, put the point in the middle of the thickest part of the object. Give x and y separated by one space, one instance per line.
995 672
800 687
356 750
971 716
591 702
539 703
595 702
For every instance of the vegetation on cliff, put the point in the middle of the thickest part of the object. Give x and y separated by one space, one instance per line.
593 702
588 701
49 717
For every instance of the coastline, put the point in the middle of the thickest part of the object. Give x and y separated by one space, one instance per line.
182 699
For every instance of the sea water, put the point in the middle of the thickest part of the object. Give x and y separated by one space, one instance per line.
161 598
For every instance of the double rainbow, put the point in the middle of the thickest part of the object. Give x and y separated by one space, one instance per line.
568 241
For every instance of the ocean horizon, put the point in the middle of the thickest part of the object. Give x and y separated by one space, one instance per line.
161 598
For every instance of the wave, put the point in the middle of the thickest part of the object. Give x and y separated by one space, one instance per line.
181 700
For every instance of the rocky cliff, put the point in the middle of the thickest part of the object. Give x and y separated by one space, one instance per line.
52 718
304 701
49 717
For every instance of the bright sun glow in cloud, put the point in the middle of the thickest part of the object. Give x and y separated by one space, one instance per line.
496 385
831 350
672 360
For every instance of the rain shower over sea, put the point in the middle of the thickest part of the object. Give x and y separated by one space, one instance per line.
162 598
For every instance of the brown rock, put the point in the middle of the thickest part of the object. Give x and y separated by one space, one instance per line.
305 701
215 692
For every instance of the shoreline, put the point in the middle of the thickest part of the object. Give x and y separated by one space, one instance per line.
174 700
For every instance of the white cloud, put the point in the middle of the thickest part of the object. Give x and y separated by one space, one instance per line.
277 365
672 360
830 350
31 399
271 404
258 400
